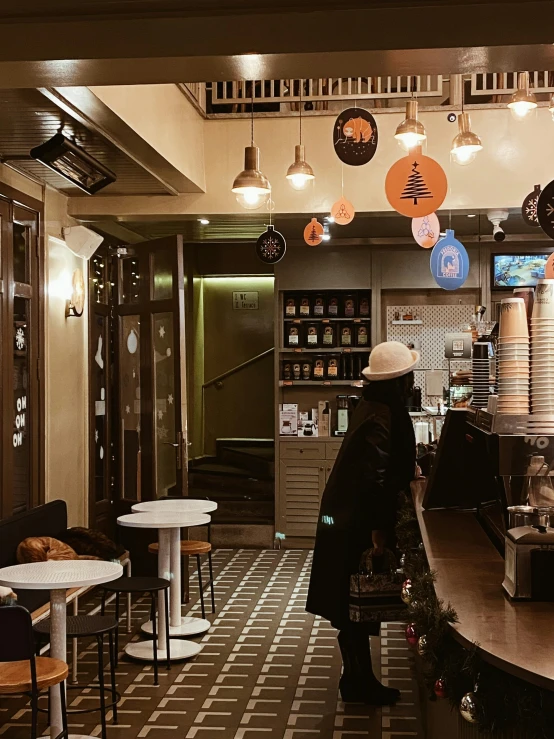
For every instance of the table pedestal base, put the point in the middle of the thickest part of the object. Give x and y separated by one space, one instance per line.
144 650
189 626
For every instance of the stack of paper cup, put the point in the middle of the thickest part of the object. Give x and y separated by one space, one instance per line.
542 349
513 358
480 365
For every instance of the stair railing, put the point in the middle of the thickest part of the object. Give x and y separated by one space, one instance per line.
217 382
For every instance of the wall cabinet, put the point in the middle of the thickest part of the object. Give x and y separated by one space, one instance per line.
304 469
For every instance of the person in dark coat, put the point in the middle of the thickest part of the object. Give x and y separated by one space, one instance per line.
358 510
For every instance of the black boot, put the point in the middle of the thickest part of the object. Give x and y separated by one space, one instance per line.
358 683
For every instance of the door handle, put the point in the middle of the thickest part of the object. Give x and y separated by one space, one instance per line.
171 443
178 445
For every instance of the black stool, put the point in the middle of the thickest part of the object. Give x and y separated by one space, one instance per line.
97 626
150 585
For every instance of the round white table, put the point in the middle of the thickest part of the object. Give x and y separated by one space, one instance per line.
169 525
182 505
57 577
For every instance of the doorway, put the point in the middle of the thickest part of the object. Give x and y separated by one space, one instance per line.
21 411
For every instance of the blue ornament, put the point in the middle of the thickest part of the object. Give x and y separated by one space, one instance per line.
449 262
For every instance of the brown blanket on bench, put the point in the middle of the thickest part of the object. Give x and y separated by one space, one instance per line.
43 548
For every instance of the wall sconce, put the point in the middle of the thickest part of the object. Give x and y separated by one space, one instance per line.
75 305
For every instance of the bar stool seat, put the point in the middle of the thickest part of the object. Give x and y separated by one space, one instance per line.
136 585
78 626
15 677
192 548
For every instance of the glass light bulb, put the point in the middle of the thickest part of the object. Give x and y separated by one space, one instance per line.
298 181
326 237
251 198
409 140
521 109
464 155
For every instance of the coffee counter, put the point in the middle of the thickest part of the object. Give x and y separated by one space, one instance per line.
516 637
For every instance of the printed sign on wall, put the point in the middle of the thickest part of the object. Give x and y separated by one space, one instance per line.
416 185
355 137
449 262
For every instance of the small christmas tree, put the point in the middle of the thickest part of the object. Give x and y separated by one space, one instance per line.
416 187
314 236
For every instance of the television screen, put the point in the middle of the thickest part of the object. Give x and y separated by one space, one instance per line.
511 270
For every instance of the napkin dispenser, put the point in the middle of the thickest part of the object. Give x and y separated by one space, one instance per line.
529 563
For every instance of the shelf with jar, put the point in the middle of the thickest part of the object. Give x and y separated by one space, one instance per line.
320 335
323 367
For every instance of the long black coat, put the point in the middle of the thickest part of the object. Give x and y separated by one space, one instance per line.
376 461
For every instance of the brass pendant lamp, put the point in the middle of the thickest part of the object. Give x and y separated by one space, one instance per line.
251 187
300 173
411 132
466 144
523 101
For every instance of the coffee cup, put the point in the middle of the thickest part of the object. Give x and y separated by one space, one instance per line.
544 300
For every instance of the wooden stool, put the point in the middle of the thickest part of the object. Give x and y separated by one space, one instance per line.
190 548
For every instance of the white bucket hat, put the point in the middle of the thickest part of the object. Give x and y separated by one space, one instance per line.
389 360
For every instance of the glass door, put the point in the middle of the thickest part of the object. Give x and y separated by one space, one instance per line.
150 371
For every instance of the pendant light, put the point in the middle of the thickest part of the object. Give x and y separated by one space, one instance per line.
411 132
523 101
300 173
551 107
466 144
251 187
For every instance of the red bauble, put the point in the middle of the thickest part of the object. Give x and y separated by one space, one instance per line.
412 635
407 583
440 688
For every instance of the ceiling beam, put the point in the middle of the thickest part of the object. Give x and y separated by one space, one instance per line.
458 38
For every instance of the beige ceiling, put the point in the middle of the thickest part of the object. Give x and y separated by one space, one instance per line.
27 119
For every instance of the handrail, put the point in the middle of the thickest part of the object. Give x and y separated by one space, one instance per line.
232 371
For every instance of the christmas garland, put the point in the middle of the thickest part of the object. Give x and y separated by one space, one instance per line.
484 695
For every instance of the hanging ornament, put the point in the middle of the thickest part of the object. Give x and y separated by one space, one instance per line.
426 230
271 246
529 207
132 341
440 688
416 185
403 561
355 137
470 708
343 212
407 592
449 262
411 634
545 210
313 233
422 645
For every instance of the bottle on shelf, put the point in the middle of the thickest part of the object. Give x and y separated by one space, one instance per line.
293 335
312 335
319 305
306 369
332 368
349 305
333 305
287 370
346 335
328 335
319 369
364 305
342 415
342 371
362 335
357 367
348 367
296 370
291 307
305 306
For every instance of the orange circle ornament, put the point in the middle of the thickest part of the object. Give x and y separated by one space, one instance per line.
426 230
549 268
343 212
313 233
416 185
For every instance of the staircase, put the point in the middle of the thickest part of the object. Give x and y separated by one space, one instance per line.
241 479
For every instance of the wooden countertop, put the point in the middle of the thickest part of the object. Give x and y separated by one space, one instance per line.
517 637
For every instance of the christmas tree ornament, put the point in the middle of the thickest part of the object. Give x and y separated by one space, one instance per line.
469 708
300 173
355 137
466 144
411 132
449 262
313 233
271 246
545 210
251 187
411 634
422 645
529 207
426 230
416 185
407 592
523 101
440 688
343 212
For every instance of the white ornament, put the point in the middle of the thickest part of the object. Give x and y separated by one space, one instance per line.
170 399
127 409
168 351
132 341
20 339
101 452
160 415
98 356
161 332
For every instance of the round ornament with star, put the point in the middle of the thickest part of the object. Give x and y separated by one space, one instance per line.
416 185
529 207
271 246
355 136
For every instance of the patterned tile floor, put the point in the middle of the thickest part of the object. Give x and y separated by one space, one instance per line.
267 670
